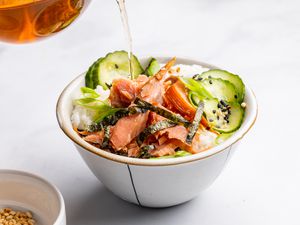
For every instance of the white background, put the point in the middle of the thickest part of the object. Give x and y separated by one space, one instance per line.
260 40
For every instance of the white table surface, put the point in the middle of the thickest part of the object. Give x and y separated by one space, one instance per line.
259 40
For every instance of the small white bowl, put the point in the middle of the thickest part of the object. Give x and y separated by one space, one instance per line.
160 182
27 192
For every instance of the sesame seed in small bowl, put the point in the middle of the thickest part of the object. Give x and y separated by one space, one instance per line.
29 199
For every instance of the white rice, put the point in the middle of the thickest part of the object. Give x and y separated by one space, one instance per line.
207 140
81 117
188 70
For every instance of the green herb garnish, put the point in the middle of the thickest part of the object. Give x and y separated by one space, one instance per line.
89 93
196 87
101 109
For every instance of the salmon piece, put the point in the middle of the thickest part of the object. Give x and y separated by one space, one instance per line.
162 72
81 132
176 99
154 118
95 137
202 141
162 139
167 148
176 95
154 89
178 132
124 91
84 132
167 140
133 150
168 105
175 135
128 128
140 81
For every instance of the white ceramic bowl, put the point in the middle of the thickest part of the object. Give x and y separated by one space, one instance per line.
154 183
27 192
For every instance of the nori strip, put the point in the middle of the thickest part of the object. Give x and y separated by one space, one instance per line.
153 129
195 124
105 142
113 119
160 111
144 151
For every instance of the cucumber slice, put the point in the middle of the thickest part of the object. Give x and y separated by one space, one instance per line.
115 65
89 77
223 137
91 80
94 72
225 75
235 119
224 122
220 89
223 117
152 68
193 98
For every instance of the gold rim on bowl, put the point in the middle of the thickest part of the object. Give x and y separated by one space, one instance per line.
65 124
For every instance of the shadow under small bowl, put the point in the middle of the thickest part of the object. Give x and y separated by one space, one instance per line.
22 191
159 182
